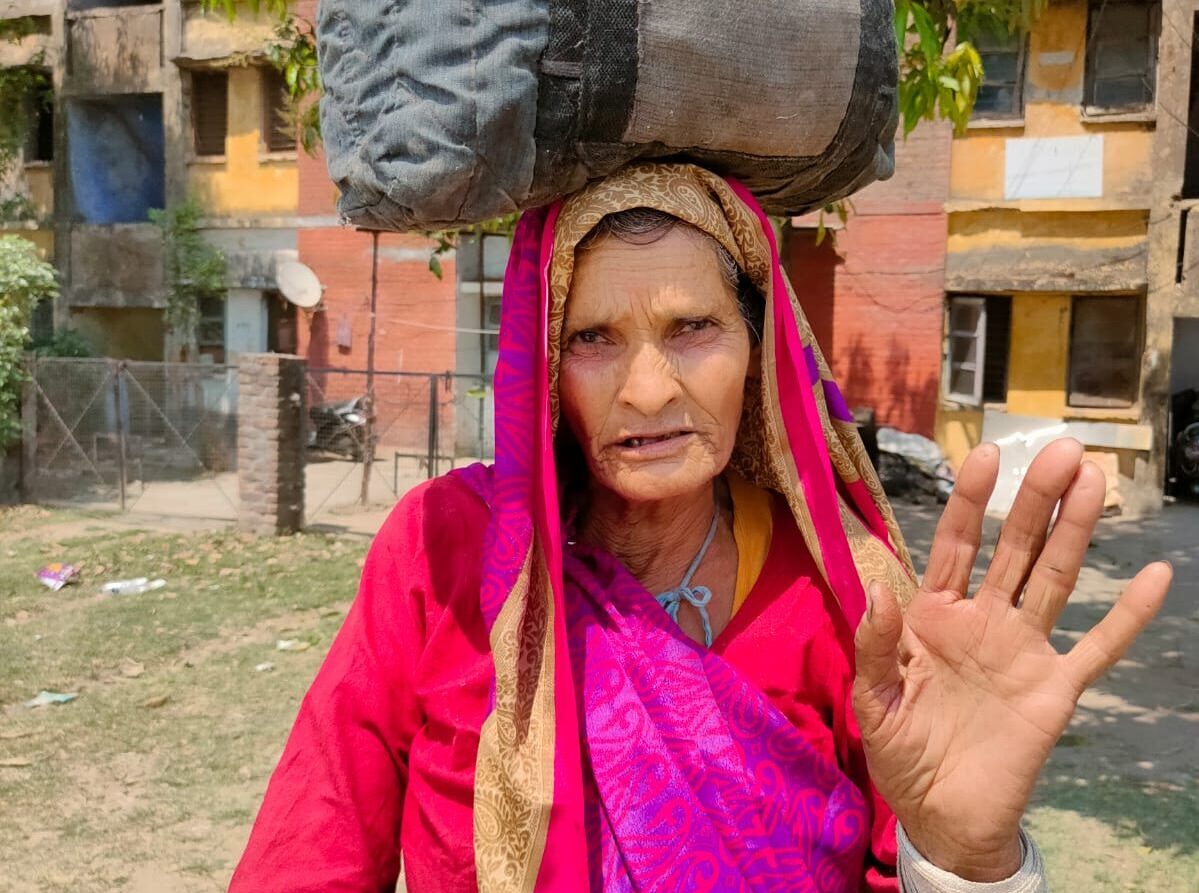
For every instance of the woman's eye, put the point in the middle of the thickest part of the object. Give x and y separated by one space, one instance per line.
696 325
587 336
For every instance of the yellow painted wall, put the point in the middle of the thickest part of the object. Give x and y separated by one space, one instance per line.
957 431
1006 227
42 238
123 333
248 180
39 178
1040 355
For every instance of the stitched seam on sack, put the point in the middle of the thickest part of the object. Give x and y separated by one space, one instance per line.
476 12
349 110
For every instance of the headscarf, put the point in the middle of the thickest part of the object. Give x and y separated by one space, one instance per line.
796 437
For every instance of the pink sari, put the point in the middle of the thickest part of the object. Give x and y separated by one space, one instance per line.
618 754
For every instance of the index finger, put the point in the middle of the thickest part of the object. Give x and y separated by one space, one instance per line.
959 532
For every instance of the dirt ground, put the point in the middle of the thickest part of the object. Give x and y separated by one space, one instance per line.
332 489
149 781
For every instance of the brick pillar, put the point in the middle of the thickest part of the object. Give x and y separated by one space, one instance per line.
270 447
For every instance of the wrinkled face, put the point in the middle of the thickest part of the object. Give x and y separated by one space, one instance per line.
654 359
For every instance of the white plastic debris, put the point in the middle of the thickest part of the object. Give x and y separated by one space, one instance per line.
132 587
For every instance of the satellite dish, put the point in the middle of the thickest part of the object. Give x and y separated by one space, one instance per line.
298 283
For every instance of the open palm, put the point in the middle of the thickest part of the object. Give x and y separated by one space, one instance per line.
960 700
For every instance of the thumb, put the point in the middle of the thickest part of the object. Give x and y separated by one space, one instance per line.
876 644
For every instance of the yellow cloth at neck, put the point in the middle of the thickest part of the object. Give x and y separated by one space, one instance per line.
752 528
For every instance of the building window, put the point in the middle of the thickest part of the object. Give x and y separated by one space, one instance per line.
210 111
491 321
1190 176
1122 54
117 164
282 335
210 330
277 135
1001 94
976 351
39 117
1105 351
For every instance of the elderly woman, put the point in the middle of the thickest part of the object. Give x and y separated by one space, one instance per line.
624 656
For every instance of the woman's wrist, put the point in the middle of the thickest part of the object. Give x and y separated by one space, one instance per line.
977 864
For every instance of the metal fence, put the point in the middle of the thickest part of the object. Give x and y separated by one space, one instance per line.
161 438
419 424
131 434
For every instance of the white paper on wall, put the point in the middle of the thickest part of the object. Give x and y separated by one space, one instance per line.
1053 167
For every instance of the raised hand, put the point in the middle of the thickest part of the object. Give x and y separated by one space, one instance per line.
960 700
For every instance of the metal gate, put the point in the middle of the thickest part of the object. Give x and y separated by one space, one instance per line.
421 424
159 438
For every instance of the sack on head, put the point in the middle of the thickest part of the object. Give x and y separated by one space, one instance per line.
440 113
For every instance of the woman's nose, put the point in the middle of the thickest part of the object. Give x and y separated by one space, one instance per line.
651 382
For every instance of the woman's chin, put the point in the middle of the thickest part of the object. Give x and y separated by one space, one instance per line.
659 481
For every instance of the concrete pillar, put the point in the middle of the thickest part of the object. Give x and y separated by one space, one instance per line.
29 408
270 443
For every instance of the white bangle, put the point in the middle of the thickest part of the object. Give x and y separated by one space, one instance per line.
918 875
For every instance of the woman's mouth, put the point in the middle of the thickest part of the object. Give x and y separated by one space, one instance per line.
653 444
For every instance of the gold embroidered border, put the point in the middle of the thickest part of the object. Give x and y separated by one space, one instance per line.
514 771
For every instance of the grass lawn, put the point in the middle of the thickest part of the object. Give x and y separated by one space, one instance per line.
149 780
120 794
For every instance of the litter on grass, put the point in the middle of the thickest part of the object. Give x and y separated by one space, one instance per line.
57 575
45 698
132 587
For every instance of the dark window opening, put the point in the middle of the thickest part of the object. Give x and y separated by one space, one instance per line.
1105 351
41 327
976 360
39 133
210 111
1121 54
995 358
282 334
277 134
1190 176
1180 255
102 4
1001 93
20 27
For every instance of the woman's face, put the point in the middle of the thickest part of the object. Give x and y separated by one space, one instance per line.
653 365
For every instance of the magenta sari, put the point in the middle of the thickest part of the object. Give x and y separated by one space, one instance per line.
619 754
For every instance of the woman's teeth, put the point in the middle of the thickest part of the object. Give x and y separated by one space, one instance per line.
642 441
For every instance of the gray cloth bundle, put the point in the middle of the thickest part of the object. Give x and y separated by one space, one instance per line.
439 113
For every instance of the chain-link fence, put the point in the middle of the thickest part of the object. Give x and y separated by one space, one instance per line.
418 425
133 435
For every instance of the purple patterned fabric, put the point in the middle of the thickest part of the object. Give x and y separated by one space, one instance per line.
700 783
837 406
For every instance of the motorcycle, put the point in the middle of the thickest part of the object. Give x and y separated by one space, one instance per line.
1184 446
340 428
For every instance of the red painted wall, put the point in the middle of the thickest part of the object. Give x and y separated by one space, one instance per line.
874 291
